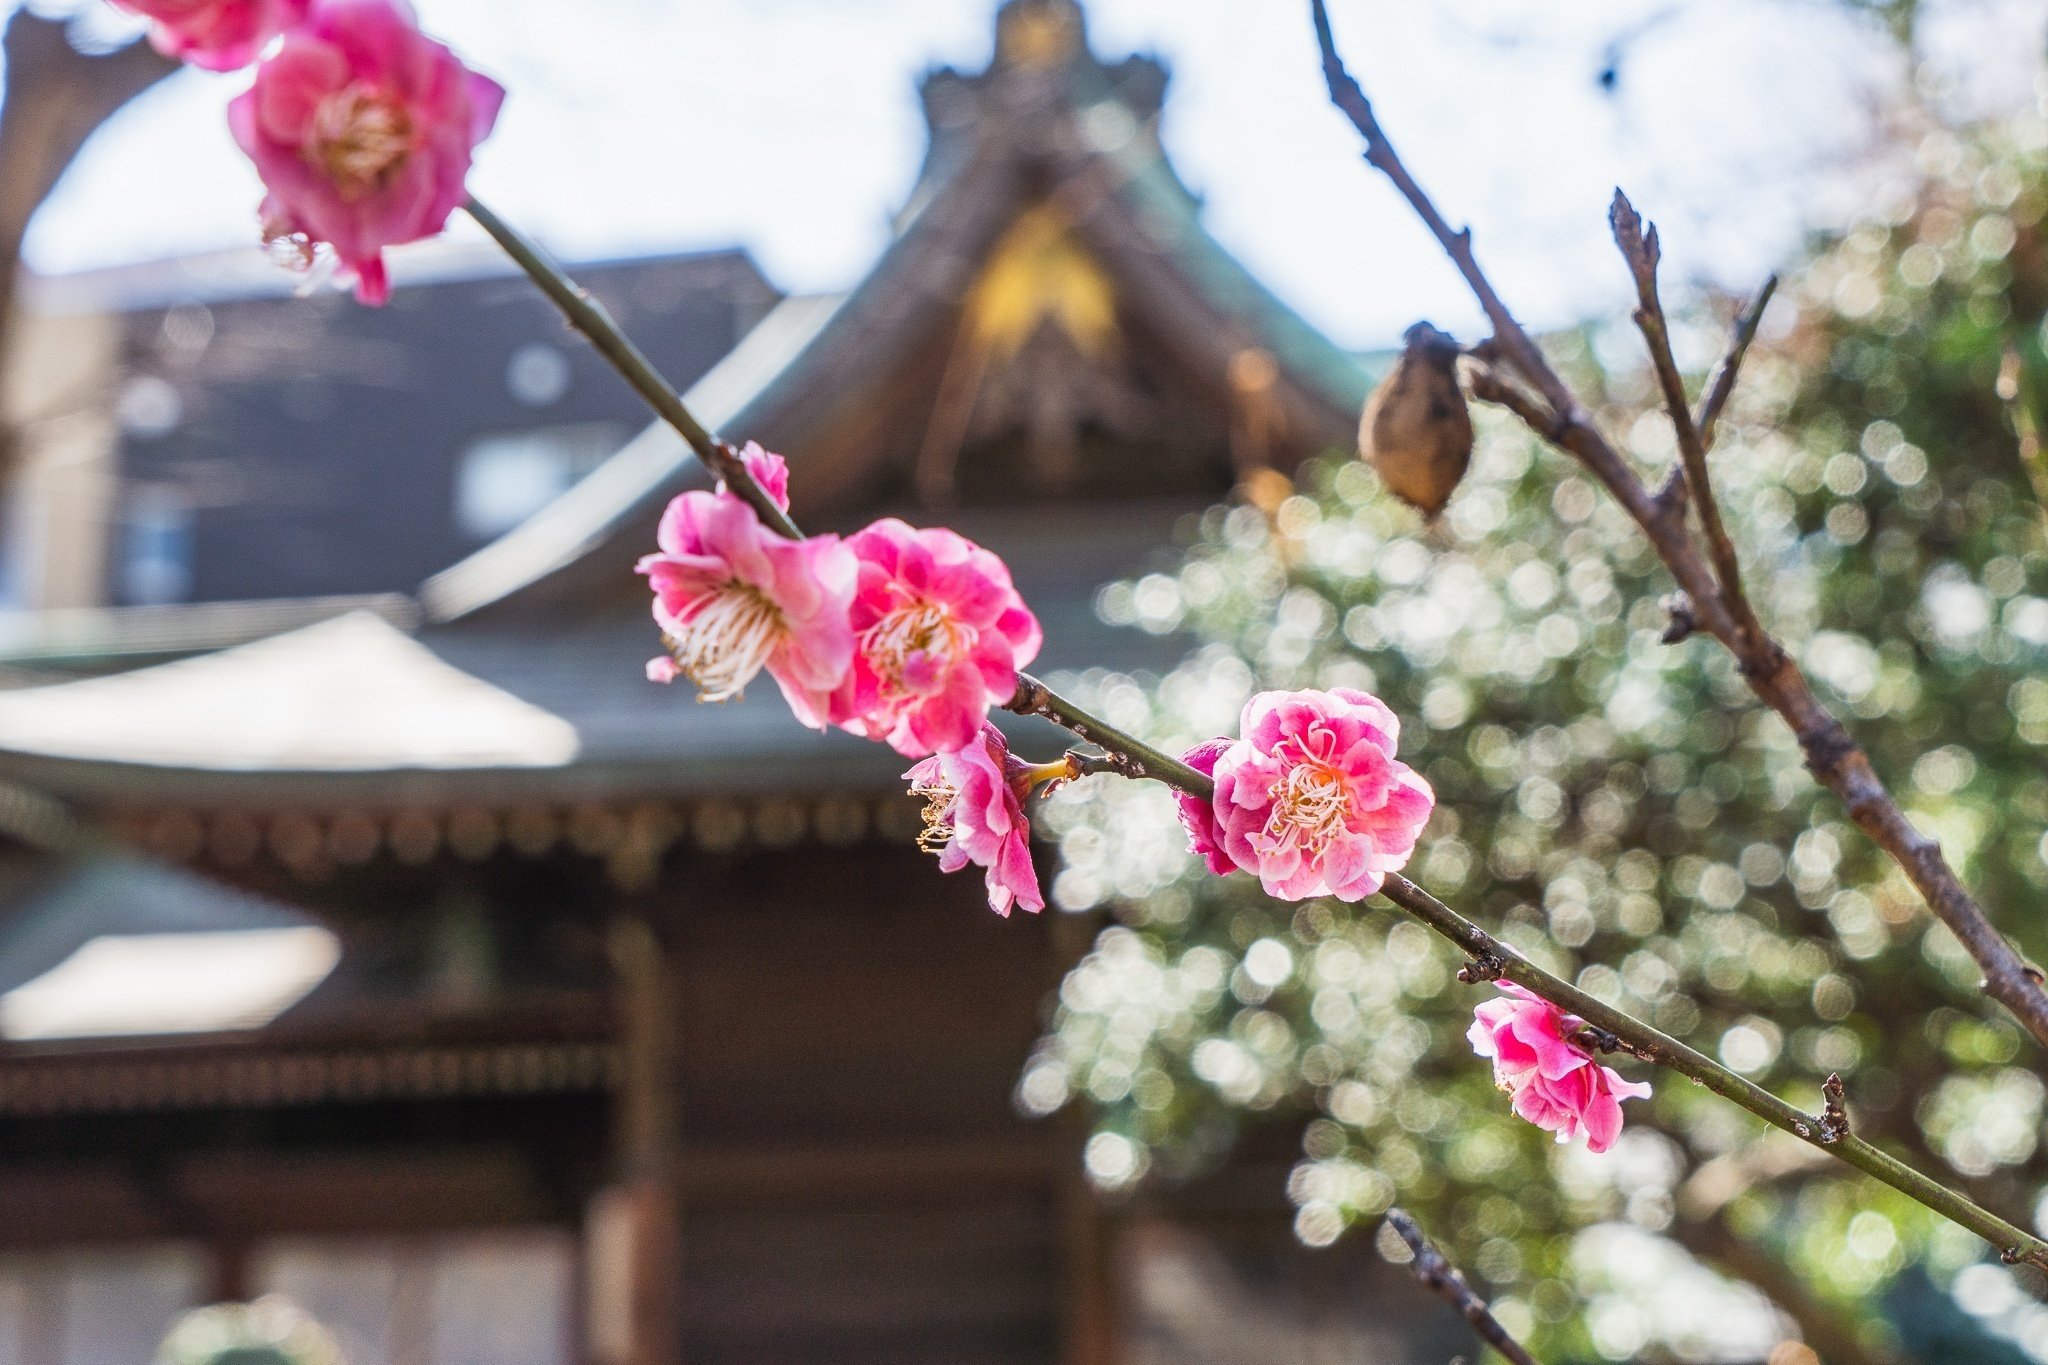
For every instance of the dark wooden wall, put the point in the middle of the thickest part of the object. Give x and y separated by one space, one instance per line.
857 1186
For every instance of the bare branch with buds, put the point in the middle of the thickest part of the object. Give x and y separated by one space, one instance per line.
1709 578
1444 1280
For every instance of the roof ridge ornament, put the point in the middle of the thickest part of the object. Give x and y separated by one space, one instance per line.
1040 34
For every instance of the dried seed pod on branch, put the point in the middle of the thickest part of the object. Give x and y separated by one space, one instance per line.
1417 431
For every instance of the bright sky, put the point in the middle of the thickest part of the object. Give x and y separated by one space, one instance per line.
792 127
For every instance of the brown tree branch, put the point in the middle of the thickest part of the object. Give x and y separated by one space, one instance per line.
1831 755
57 97
1640 248
1442 1279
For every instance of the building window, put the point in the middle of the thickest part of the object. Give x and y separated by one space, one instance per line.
502 480
17 549
156 546
95 1308
484 1298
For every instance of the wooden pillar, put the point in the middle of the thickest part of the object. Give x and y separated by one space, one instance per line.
229 1281
1091 1332
635 1273
1090 1285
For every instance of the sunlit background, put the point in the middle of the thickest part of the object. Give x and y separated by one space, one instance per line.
791 127
385 962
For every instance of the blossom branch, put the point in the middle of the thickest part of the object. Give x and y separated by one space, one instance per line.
1443 1279
1832 756
590 317
1130 756
1643 1041
1493 960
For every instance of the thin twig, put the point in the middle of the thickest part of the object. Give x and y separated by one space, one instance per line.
1722 387
1104 764
1491 959
1134 757
1831 755
1640 248
1443 1279
1489 385
589 317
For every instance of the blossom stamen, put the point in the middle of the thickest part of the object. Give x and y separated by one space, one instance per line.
974 813
920 627
358 138
1311 805
1309 798
939 634
362 127
726 638
939 799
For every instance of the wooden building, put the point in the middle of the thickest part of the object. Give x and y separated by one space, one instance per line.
239 439
552 1016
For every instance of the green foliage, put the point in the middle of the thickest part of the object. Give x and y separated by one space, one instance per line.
1624 813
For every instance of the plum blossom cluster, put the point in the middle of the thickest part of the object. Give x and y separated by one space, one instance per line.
1552 1078
900 635
362 127
911 637
364 130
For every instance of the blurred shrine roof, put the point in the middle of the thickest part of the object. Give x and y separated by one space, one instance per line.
1054 357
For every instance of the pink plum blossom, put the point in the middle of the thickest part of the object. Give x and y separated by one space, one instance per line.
219 35
1198 817
941 634
363 129
1555 1082
770 471
974 813
1310 798
733 597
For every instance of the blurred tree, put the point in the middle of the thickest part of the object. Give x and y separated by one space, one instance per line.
1622 812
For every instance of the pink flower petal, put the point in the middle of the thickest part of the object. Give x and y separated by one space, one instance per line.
979 810
941 634
1311 799
218 35
1555 1082
734 595
362 128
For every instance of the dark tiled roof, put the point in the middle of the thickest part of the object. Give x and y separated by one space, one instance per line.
317 442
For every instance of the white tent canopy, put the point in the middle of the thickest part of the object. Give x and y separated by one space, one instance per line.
351 694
